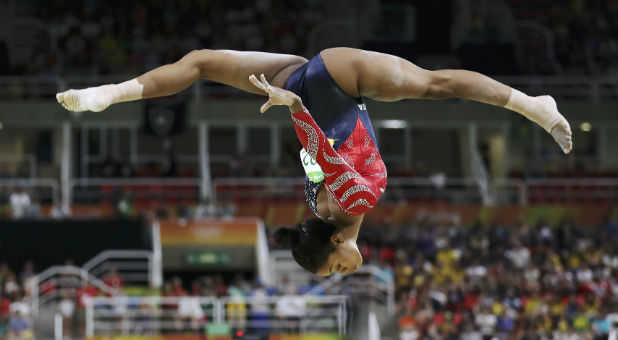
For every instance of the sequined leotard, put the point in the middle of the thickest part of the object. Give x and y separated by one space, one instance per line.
354 173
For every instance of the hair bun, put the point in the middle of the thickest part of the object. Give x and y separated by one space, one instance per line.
287 237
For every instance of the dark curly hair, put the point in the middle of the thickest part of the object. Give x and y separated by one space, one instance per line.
310 242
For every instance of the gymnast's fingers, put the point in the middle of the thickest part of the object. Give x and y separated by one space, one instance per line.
264 81
266 106
257 83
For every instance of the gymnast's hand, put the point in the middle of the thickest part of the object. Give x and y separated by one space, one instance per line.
277 96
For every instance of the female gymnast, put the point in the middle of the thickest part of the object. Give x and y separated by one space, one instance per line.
325 96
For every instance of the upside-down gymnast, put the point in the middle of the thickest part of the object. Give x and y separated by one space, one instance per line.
325 96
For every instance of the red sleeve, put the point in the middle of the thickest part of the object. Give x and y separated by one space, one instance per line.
353 193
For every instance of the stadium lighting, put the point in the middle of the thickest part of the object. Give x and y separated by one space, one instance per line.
585 127
394 124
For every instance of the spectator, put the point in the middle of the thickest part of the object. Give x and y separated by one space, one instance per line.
10 284
144 322
519 256
190 311
84 292
438 180
177 289
407 326
290 310
168 292
5 305
486 321
120 311
66 308
59 211
20 201
260 309
20 326
237 308
20 321
27 277
4 273
113 279
610 228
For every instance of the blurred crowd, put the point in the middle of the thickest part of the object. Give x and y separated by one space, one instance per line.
251 305
184 309
98 37
451 282
15 295
541 282
584 36
101 37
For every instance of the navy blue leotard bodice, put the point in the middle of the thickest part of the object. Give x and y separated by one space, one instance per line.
335 112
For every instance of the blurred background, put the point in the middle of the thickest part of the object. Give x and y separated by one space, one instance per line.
152 219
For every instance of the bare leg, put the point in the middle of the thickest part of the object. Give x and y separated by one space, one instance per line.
224 66
389 78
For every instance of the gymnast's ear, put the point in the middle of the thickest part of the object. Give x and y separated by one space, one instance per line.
337 239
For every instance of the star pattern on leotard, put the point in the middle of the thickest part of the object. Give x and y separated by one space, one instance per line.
311 195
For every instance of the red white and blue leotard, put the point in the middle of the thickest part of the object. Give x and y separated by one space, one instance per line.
354 173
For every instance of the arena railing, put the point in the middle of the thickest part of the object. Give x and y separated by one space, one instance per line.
399 188
15 160
594 89
141 189
283 268
140 315
136 267
542 190
369 279
149 193
454 190
49 285
45 190
589 88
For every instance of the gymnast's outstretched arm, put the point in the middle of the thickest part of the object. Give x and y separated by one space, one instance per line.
385 77
223 66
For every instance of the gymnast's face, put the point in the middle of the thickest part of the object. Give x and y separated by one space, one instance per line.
345 259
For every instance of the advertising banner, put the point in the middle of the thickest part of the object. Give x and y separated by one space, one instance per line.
234 232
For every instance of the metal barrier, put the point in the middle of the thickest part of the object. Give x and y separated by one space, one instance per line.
595 89
558 190
134 266
131 315
368 280
399 188
144 314
44 189
257 188
455 190
17 159
49 284
148 193
283 267
142 189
